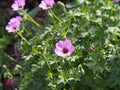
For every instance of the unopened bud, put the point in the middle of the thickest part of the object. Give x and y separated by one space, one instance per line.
90 49
4 66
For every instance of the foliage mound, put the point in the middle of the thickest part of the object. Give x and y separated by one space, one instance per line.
93 28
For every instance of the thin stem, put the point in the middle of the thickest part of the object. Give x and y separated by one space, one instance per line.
59 18
55 16
22 37
48 65
30 18
63 6
64 9
69 62
27 31
8 73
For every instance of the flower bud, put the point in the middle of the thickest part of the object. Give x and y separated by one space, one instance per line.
90 49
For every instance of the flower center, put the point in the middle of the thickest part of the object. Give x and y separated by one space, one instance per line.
65 50
47 5
14 28
20 7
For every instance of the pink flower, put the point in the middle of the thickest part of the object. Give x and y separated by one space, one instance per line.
117 0
90 49
46 4
14 24
16 19
18 5
64 48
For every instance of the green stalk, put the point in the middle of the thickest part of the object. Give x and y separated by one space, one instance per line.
30 18
55 16
22 37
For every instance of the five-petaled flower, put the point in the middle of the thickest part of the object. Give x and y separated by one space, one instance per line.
64 48
18 5
46 4
14 24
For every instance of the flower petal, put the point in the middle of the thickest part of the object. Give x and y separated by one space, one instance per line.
46 4
58 52
43 5
68 44
60 45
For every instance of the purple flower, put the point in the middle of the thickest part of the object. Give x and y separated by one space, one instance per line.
117 0
18 5
64 48
90 49
46 4
15 19
14 24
